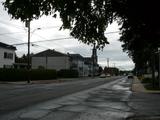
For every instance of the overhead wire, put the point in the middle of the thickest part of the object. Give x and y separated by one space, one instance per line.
11 33
11 25
59 39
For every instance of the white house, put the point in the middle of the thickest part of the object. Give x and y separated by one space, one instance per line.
50 59
7 55
77 63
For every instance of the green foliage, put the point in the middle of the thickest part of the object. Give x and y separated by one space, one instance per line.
140 29
146 80
86 19
22 74
148 84
43 74
67 73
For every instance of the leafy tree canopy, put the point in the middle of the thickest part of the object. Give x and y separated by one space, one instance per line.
86 19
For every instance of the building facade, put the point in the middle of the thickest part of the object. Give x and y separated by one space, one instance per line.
7 55
77 63
50 59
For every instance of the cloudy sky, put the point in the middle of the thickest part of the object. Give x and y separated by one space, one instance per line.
14 32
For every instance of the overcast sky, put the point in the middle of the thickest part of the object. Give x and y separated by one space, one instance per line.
14 32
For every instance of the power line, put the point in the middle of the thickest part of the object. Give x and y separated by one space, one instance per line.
58 39
14 38
11 25
10 33
45 40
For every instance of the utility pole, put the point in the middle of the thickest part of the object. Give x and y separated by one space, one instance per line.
28 65
159 65
108 62
114 65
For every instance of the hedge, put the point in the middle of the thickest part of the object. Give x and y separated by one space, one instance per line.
22 74
67 73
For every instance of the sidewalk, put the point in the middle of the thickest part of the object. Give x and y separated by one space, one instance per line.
137 86
144 103
59 80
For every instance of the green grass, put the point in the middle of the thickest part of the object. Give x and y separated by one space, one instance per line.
147 82
150 87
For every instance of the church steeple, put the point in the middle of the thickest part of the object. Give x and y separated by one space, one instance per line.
94 54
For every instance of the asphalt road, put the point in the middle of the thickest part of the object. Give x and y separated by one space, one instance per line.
14 97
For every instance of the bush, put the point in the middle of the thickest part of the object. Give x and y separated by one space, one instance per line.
43 74
146 80
22 74
67 73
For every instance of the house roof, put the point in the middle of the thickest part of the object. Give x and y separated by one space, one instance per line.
88 60
76 56
3 45
49 53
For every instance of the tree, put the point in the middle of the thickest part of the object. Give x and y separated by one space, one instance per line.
86 19
140 30
22 59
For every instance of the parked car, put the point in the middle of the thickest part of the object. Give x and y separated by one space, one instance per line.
108 75
130 76
102 76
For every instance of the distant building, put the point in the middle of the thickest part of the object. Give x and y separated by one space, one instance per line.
77 63
111 71
7 55
50 59
88 61
92 63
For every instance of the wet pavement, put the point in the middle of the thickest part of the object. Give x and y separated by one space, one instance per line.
144 103
111 101
31 94
106 102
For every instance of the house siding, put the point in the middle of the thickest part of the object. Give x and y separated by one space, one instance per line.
6 61
79 66
56 63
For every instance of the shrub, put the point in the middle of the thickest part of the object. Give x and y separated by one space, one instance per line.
146 80
22 74
67 73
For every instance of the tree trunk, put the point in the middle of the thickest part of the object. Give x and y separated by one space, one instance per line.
153 69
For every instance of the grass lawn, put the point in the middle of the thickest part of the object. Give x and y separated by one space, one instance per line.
147 82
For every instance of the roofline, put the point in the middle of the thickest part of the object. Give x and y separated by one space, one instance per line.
4 45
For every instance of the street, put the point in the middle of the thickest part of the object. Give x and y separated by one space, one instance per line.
14 97
105 99
92 99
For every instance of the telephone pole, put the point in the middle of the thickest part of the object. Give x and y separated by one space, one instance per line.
28 62
159 66
108 62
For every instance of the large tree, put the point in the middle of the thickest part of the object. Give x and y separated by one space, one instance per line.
88 19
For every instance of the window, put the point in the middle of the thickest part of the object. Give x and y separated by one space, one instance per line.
8 55
7 66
